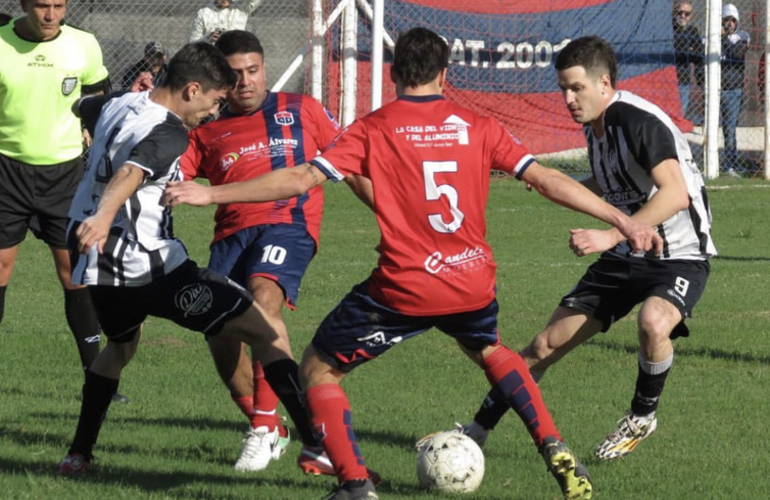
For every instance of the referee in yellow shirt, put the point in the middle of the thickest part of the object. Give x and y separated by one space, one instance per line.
46 67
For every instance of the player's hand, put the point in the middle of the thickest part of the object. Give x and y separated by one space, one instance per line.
188 192
143 82
92 231
642 237
587 241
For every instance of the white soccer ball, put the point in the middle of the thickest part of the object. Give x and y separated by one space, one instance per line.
450 462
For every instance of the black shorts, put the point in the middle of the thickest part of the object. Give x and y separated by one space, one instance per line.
360 329
38 198
195 298
612 286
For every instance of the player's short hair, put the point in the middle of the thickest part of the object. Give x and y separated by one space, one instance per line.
199 62
419 57
593 53
239 42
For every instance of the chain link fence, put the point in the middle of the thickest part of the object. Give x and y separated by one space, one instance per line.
124 28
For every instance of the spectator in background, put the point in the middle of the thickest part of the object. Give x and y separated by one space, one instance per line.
5 18
220 16
688 49
46 67
735 43
153 62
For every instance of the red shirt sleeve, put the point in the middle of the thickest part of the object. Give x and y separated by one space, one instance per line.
325 126
190 161
347 153
508 153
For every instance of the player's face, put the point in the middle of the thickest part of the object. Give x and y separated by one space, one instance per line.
222 4
203 105
44 17
584 95
250 91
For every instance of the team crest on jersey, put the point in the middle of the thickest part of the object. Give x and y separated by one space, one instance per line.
227 161
68 85
284 118
194 300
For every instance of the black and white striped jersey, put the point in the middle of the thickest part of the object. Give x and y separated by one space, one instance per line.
638 135
130 128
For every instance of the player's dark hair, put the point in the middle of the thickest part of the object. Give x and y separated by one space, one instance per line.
5 18
199 62
420 55
593 53
239 42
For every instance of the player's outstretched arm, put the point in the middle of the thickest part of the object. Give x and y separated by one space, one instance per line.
362 187
570 193
670 198
95 229
277 185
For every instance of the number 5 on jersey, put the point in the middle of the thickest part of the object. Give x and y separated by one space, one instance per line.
434 192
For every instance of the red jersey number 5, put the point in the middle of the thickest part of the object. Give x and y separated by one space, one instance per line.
434 191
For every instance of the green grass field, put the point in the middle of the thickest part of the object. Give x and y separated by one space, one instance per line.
181 434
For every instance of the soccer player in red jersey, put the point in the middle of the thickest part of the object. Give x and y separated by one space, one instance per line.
429 163
264 247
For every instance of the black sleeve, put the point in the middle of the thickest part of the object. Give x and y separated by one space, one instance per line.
102 86
649 139
90 107
158 151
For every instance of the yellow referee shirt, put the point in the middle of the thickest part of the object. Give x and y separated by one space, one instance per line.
39 82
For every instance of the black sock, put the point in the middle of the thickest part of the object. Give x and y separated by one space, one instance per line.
648 390
2 301
492 409
81 319
97 395
283 377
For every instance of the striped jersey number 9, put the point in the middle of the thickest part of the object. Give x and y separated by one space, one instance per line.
433 192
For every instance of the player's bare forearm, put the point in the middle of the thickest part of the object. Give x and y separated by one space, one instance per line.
670 198
277 185
362 187
124 183
94 230
570 193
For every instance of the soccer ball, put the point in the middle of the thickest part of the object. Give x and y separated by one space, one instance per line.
450 462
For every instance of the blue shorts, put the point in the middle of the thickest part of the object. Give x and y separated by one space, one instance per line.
279 252
360 329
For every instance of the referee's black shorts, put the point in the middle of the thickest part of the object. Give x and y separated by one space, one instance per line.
36 197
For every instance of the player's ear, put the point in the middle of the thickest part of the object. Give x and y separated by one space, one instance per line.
442 78
191 91
606 84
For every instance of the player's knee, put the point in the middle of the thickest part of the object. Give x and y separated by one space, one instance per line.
315 370
120 353
656 328
538 351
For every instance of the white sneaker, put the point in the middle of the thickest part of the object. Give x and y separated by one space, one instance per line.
632 429
259 447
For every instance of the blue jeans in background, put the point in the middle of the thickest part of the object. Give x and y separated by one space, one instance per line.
729 110
684 96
